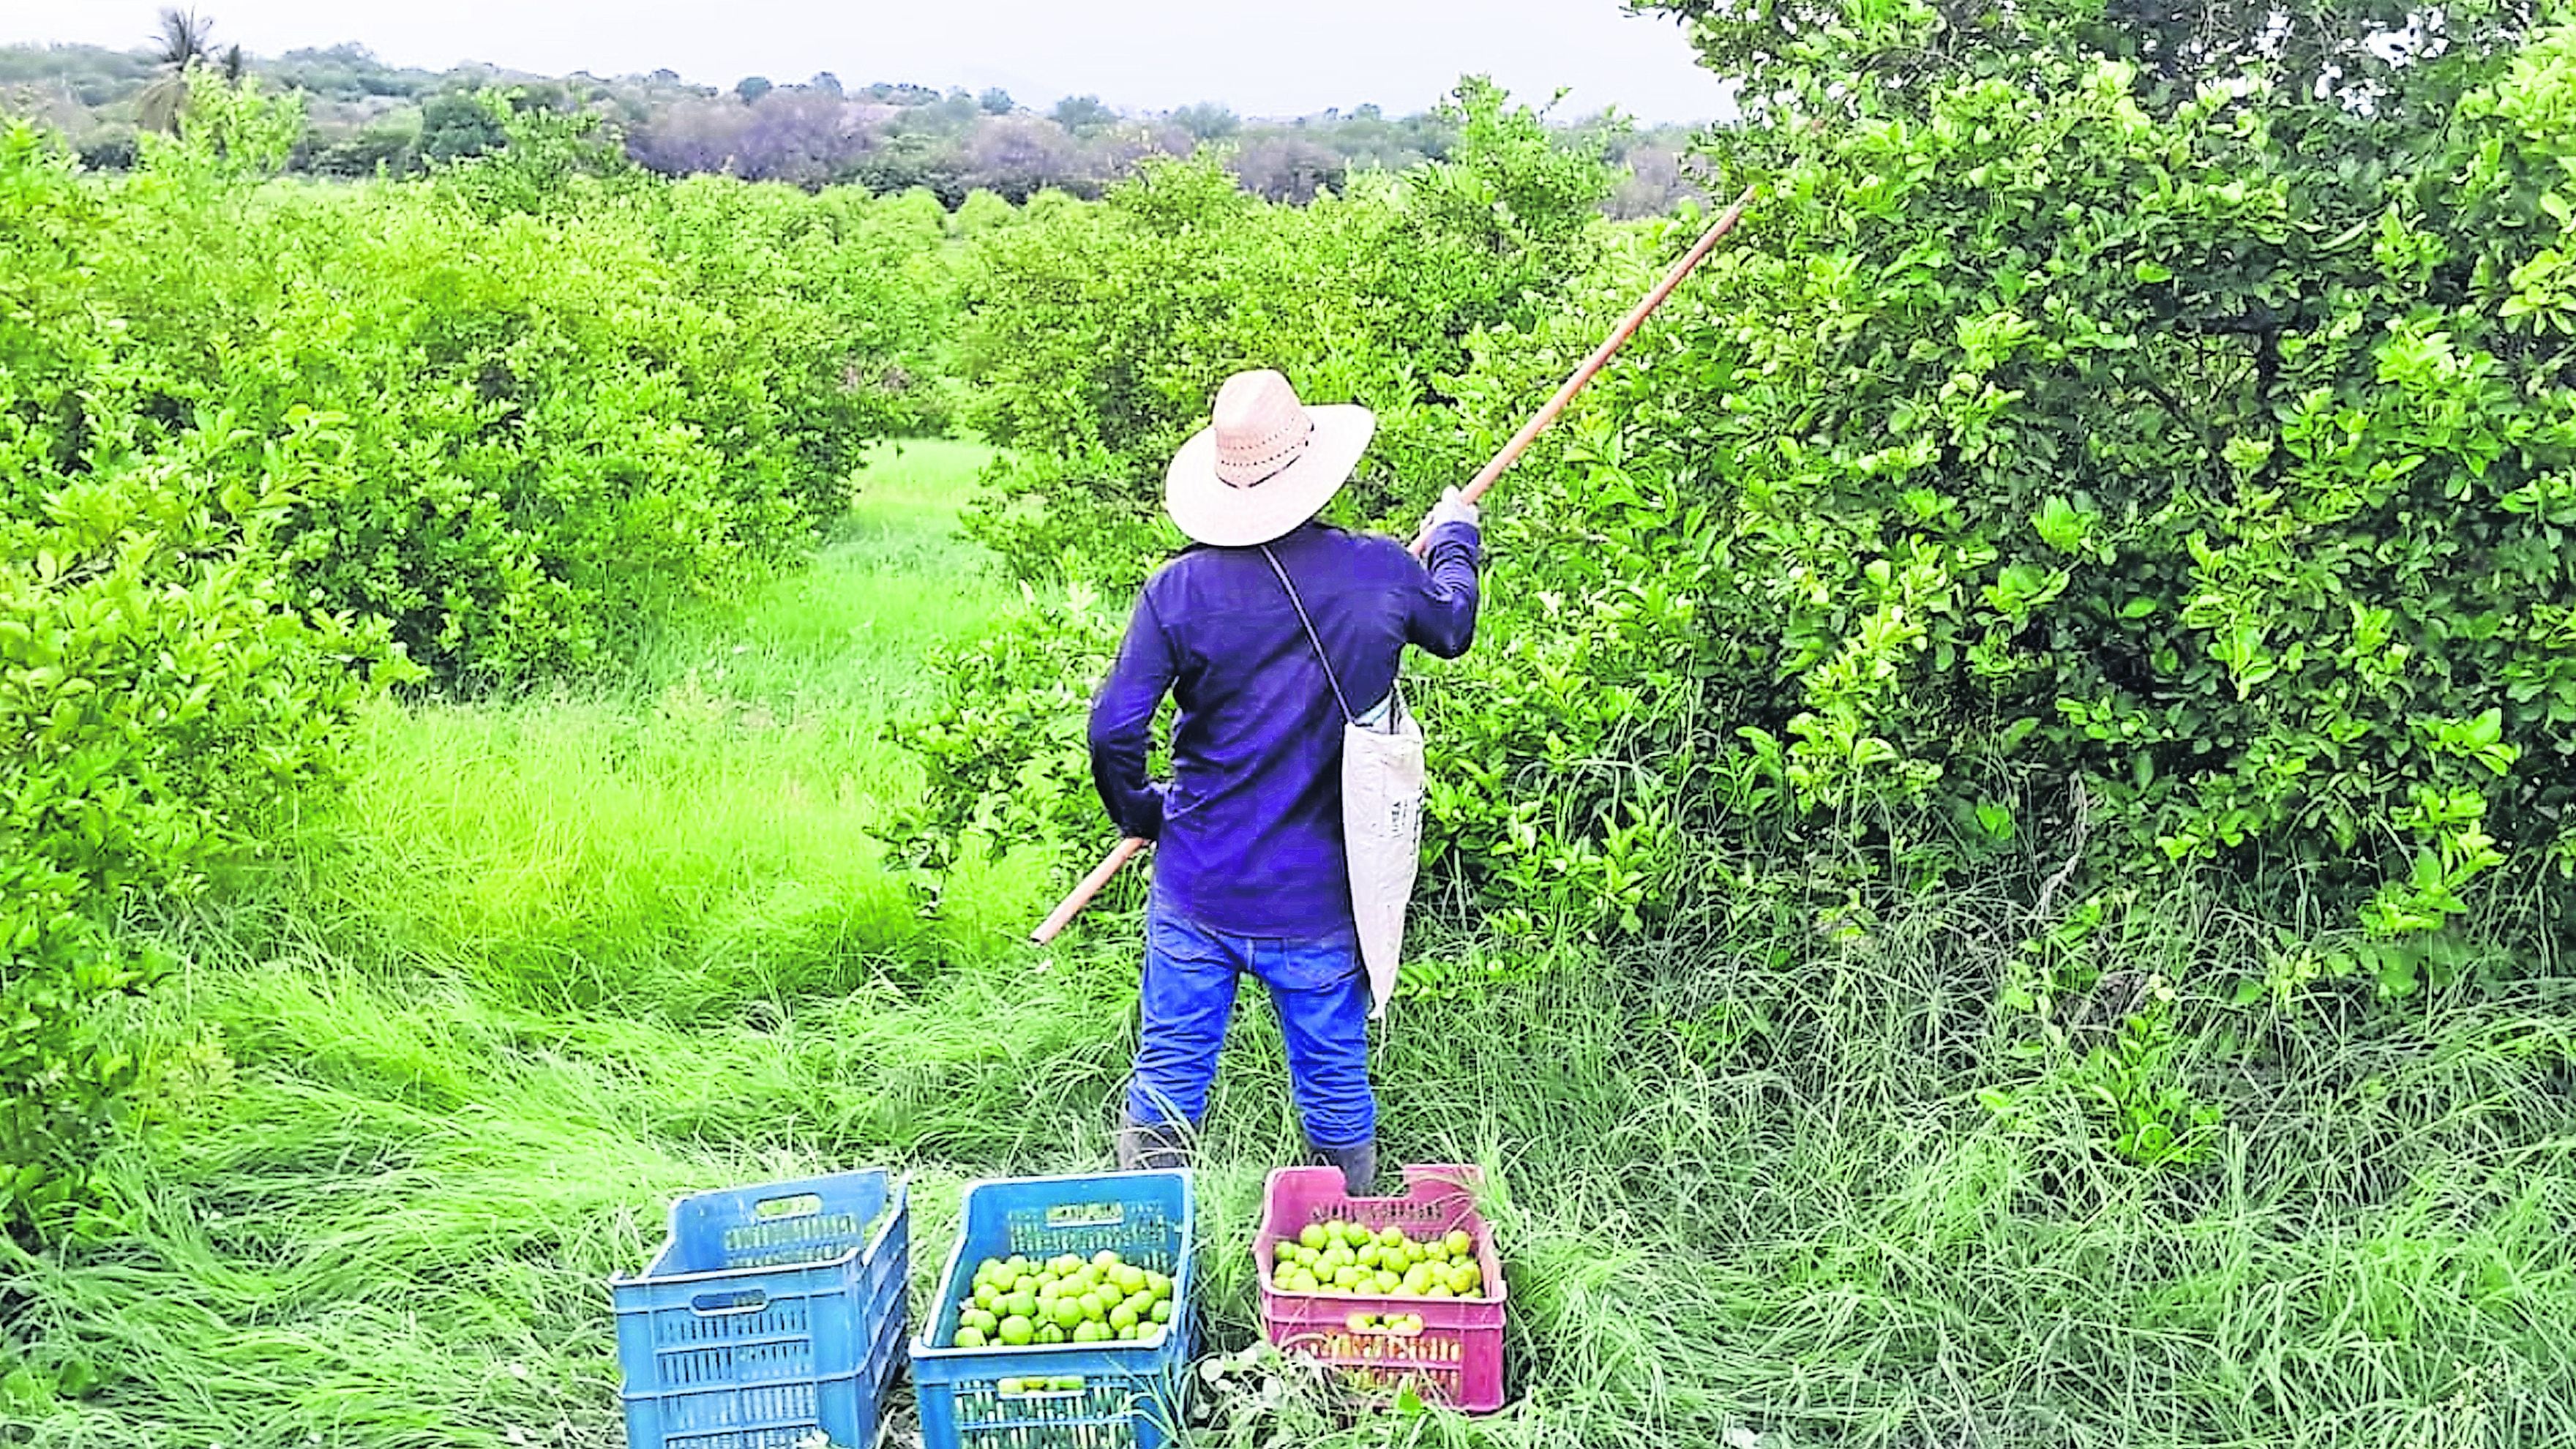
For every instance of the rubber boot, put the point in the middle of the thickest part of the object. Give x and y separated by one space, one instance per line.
1153 1146
1358 1164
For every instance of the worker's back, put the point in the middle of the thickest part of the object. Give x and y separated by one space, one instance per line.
1249 836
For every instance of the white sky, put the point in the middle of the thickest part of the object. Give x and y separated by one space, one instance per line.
1286 57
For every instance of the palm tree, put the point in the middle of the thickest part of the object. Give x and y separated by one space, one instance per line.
186 39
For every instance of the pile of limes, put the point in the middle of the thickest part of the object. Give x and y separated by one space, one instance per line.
1346 1257
1065 1299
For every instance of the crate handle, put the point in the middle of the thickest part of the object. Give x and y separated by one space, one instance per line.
725 1305
1086 1215
794 1205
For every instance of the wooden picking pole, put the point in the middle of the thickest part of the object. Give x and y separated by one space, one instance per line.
1127 849
1058 918
1600 358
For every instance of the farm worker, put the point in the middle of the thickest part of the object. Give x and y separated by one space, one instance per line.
1250 875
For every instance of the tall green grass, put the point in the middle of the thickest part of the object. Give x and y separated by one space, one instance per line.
434 1070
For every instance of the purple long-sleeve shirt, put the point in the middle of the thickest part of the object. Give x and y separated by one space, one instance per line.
1248 834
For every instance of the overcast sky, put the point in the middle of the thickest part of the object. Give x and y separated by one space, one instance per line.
1285 58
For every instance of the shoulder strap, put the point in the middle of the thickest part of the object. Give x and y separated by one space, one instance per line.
1311 636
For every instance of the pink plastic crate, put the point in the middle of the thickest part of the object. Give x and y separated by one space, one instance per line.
1457 1358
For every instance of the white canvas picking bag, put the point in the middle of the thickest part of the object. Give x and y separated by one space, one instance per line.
1381 812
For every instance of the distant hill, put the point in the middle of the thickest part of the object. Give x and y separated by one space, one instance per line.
367 116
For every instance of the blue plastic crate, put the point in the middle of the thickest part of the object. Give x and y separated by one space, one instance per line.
1131 1395
772 1314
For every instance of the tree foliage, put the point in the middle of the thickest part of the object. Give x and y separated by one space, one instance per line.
265 452
186 39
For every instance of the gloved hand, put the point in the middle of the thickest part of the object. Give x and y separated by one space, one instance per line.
1453 507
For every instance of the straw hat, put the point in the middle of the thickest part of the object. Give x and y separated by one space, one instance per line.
1268 463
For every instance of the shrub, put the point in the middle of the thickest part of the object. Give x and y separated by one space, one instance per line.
1093 337
2137 467
160 689
267 449
563 398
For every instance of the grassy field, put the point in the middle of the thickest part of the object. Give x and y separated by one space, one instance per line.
435 1069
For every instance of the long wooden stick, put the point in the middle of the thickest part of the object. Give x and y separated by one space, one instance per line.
1600 358
1063 914
1475 489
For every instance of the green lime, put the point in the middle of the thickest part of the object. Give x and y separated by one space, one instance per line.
1346 1276
1122 1316
1459 1243
1017 1330
1315 1236
1104 1259
1158 1285
1023 1304
1008 1388
1068 1312
1161 1312
1094 1307
1462 1279
1064 1383
1050 1335
969 1336
1129 1280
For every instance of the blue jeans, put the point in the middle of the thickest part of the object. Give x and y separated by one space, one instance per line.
1317 990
